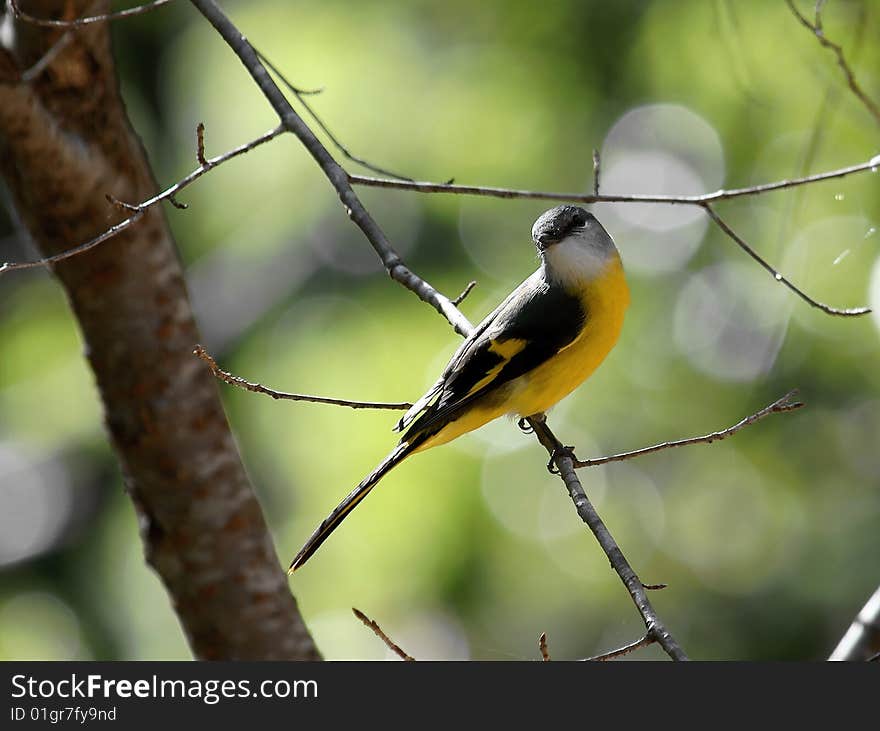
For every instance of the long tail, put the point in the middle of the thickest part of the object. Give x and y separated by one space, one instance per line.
339 513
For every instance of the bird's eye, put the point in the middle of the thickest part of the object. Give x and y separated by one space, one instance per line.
579 221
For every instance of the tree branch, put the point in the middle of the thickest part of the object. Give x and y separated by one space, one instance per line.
564 463
232 380
828 309
577 197
777 407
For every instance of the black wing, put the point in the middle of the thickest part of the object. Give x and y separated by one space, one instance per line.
534 323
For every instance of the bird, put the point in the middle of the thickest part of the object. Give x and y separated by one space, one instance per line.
536 347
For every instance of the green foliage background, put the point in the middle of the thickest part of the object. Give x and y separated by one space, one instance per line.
768 540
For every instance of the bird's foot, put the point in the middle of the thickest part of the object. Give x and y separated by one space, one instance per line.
524 426
560 451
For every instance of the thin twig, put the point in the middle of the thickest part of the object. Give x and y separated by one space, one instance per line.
298 93
648 639
777 407
393 646
465 292
817 30
542 646
564 463
137 210
50 23
686 200
743 244
232 380
597 165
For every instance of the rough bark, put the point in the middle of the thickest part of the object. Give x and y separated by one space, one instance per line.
65 142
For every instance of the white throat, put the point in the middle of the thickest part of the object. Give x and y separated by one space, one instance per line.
576 259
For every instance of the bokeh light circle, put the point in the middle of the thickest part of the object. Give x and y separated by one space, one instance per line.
661 149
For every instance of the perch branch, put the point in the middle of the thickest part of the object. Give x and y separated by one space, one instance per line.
564 463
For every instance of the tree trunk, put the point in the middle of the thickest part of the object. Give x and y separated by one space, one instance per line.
65 142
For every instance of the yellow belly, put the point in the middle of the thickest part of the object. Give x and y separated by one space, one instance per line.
605 299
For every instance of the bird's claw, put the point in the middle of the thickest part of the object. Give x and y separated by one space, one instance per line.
560 451
524 426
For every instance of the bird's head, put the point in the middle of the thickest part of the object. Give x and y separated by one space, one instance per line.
571 240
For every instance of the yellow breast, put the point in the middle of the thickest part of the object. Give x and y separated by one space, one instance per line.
605 299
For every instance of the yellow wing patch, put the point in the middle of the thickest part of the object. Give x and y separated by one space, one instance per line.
507 349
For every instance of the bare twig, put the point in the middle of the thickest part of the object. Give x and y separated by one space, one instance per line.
137 210
817 30
465 292
862 639
743 244
542 646
777 407
338 178
50 23
648 639
686 200
564 463
298 93
232 380
393 646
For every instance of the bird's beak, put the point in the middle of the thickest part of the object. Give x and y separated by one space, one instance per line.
545 240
